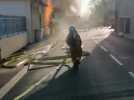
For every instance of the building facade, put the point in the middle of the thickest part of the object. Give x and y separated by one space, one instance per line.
19 20
124 17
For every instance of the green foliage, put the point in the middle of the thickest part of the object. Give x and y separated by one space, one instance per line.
100 12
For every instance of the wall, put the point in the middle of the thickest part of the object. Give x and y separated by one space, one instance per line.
18 8
125 9
36 24
11 44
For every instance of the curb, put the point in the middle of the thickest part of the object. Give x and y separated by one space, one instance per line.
13 81
50 74
22 63
26 60
10 84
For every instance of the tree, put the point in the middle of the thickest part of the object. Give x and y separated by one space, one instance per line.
101 12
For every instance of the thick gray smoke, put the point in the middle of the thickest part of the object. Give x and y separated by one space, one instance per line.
73 12
102 13
82 13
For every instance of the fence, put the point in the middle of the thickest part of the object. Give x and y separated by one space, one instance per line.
12 25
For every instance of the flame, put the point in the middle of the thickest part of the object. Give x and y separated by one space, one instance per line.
48 9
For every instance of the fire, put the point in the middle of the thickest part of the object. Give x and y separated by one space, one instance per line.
48 9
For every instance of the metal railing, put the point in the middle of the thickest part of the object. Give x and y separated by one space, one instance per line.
11 25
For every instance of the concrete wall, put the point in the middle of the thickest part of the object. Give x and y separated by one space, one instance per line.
125 9
18 8
11 44
36 24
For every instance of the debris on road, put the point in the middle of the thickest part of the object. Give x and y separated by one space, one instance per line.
25 58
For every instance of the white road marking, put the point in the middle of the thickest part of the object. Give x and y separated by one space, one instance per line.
43 50
50 74
103 48
22 63
106 50
131 74
116 60
7 87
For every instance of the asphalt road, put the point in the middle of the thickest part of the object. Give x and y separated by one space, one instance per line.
102 76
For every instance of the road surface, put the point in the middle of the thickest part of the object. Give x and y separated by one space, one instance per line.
104 75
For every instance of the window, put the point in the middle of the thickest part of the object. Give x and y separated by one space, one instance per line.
124 25
11 25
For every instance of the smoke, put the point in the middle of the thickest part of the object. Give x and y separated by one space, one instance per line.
102 13
79 8
79 13
48 9
74 11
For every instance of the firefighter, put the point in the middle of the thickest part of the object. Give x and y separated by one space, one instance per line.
74 42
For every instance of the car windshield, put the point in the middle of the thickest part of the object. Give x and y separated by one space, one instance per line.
66 50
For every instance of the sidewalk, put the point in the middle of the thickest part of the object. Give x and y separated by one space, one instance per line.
8 73
37 71
11 74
